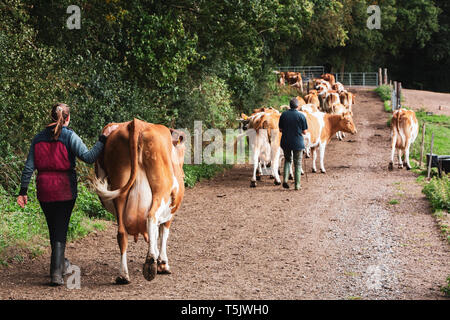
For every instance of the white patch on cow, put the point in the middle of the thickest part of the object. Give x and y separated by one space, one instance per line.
163 213
140 196
123 271
164 234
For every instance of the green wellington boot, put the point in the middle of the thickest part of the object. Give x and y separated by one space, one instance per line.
287 166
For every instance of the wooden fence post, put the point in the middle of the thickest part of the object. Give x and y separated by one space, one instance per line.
422 145
394 97
385 76
399 95
431 156
380 77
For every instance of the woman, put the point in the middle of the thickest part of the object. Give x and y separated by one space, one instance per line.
52 154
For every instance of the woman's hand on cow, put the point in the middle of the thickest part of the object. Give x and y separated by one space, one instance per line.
110 129
22 201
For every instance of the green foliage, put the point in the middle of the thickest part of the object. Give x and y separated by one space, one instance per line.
446 289
385 92
196 173
24 232
438 192
437 124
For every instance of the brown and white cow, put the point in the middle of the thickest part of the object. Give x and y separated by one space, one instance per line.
313 98
348 99
329 77
265 138
321 128
339 87
139 178
331 99
404 130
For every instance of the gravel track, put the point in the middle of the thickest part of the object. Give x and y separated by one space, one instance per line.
337 238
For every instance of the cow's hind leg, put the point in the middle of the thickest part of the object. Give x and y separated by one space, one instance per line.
393 143
150 266
406 157
122 239
400 162
163 261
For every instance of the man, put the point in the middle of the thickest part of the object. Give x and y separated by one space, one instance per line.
293 125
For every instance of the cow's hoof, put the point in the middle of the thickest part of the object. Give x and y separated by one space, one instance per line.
271 177
391 166
150 268
285 185
122 280
277 183
322 171
163 267
252 184
291 177
258 178
408 168
314 170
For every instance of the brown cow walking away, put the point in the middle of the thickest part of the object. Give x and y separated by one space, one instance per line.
143 164
404 130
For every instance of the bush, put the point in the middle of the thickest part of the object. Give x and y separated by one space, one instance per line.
195 173
385 92
438 192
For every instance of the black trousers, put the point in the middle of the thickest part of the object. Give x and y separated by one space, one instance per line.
58 215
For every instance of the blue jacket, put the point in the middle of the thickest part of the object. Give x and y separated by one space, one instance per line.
292 123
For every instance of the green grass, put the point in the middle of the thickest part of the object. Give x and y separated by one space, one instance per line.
195 173
394 201
384 91
446 289
24 232
437 124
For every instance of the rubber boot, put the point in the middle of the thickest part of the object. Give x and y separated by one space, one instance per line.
297 170
57 264
297 177
287 166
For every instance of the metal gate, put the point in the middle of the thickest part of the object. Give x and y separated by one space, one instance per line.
365 79
307 72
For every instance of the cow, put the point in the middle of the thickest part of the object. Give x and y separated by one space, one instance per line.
301 101
331 99
321 128
140 179
266 143
329 77
281 78
404 130
348 99
339 108
339 87
313 98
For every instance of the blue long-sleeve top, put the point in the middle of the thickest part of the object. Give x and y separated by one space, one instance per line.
75 148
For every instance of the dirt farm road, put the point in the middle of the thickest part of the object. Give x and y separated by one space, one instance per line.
338 238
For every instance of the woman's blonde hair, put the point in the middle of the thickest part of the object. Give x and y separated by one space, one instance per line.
60 113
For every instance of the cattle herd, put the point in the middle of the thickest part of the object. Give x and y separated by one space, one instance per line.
328 110
140 178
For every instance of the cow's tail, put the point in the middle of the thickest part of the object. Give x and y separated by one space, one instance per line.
401 118
101 185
